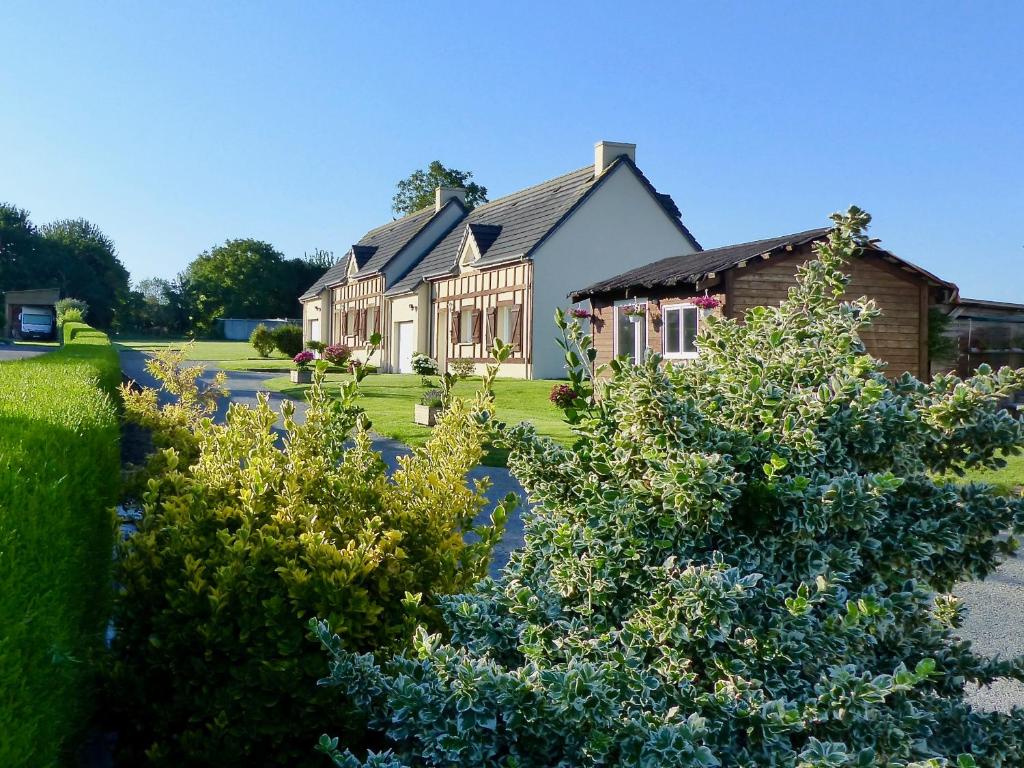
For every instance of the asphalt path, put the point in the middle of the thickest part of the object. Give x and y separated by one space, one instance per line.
22 351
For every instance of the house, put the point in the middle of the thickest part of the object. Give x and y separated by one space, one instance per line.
983 331
759 273
447 281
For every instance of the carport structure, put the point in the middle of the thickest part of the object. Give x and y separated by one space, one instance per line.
15 300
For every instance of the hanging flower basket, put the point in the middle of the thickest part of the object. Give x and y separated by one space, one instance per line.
635 312
707 303
580 313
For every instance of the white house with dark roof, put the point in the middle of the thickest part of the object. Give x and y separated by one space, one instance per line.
448 282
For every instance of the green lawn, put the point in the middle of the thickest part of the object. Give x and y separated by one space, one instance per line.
389 400
1009 479
230 355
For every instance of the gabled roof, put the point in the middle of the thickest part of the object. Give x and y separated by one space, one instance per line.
377 247
691 268
514 226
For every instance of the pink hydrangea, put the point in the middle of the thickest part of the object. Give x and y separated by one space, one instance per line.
562 395
304 358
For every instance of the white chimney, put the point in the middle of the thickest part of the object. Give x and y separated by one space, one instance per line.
605 153
443 194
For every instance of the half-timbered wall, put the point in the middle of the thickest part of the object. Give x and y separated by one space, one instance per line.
481 294
358 310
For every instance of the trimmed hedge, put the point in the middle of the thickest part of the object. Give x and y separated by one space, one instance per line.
59 475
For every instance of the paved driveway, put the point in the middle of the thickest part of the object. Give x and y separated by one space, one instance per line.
22 351
244 387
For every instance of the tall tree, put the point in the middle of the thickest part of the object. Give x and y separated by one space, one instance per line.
19 247
83 261
417 191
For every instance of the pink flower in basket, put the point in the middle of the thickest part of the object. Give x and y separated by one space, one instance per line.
580 313
707 302
304 358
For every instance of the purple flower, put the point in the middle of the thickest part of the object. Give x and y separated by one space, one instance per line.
707 302
562 395
580 313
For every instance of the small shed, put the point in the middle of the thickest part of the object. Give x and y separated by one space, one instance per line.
241 328
15 300
986 332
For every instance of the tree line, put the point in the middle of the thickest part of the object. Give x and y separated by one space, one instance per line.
242 277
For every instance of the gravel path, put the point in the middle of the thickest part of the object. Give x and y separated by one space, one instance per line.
244 387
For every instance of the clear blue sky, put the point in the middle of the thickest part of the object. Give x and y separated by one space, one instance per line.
177 125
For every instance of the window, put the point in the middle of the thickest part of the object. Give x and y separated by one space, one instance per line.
466 326
630 330
679 330
371 323
504 329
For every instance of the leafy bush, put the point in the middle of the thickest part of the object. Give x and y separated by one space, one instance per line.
463 369
59 472
316 346
262 340
288 339
71 315
424 365
337 354
433 398
241 546
72 310
562 395
741 562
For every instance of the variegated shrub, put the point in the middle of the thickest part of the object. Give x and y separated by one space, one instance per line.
742 561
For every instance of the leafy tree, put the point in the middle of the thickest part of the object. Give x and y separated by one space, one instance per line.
19 249
262 340
741 561
245 536
83 262
417 191
246 278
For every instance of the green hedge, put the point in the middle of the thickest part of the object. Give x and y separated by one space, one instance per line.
59 472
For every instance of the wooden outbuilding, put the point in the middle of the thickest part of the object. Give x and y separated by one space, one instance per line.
15 300
759 273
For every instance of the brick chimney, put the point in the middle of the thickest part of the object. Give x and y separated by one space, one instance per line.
605 153
443 194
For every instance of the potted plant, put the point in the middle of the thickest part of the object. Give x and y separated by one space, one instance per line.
337 354
707 303
301 374
580 313
430 405
635 312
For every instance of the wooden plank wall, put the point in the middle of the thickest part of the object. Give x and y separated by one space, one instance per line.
483 289
899 336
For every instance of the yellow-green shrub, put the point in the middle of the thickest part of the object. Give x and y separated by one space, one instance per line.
240 547
59 472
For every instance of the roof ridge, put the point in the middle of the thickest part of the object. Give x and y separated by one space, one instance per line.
524 190
396 221
792 236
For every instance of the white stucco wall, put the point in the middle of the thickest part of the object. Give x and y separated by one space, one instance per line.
414 308
313 310
620 227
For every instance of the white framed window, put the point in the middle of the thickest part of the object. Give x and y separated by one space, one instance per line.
466 326
630 330
679 324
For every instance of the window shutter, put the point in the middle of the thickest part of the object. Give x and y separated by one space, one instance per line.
455 327
376 321
517 327
492 325
477 323
344 323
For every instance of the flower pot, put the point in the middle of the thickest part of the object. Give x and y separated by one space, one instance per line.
302 376
425 415
636 318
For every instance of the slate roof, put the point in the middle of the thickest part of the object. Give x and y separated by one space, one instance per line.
375 249
691 267
512 227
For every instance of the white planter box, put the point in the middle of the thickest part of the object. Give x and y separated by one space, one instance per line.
304 376
425 415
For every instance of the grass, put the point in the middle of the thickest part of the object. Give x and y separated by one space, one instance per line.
235 355
59 474
1009 479
389 400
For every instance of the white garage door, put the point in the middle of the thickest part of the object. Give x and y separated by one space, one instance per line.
406 337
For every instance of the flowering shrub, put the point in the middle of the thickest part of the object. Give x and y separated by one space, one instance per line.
707 302
337 354
423 364
462 369
243 543
580 313
562 395
739 562
304 358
